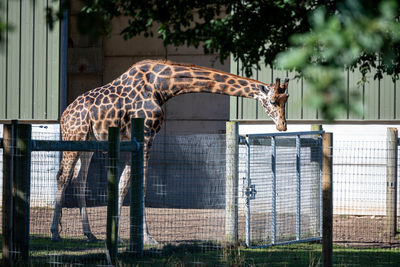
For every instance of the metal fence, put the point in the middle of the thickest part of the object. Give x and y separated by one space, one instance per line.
282 186
278 196
361 201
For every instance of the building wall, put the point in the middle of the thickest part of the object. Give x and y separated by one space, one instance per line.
29 62
94 63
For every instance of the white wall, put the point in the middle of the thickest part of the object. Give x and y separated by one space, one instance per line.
359 164
44 167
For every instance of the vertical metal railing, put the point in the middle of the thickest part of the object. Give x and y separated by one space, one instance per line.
298 176
299 140
248 184
273 163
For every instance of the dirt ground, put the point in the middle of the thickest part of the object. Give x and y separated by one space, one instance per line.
363 231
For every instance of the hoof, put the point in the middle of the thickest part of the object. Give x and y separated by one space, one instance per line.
91 238
149 240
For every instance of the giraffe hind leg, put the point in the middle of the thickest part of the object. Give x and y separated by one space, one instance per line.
64 176
80 173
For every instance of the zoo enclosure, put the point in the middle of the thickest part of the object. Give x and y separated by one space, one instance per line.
230 191
182 158
18 145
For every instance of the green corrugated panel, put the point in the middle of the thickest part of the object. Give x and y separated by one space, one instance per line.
345 77
387 98
3 68
371 98
233 102
379 98
13 61
250 105
40 64
356 92
295 99
265 76
29 63
53 70
26 59
309 113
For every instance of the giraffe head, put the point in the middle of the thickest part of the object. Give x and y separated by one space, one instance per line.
273 98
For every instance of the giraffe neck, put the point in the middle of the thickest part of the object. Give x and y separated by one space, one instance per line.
170 79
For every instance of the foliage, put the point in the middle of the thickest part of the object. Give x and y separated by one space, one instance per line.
250 31
361 34
3 25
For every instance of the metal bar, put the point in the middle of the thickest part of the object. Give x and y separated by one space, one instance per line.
248 181
285 134
320 188
284 142
288 242
327 256
51 145
21 192
112 194
137 190
298 172
273 162
63 60
7 205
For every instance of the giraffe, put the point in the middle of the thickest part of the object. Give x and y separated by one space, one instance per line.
140 92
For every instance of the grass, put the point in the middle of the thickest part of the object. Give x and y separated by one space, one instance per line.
45 252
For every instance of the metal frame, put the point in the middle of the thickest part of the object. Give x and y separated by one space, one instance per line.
250 189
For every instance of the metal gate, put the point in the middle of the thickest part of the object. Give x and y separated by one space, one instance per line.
281 187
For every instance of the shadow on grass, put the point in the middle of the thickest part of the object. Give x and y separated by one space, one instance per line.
68 252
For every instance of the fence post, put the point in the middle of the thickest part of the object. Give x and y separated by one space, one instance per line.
21 192
112 193
231 182
327 201
9 144
137 188
391 179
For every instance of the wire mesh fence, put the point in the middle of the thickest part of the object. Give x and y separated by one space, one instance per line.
360 193
185 197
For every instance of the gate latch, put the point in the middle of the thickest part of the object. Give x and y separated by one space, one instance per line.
251 191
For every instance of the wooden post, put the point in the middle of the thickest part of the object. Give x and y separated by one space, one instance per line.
327 202
391 179
137 189
21 192
9 144
112 193
231 183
